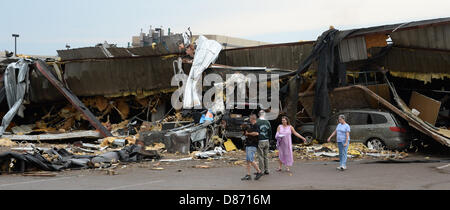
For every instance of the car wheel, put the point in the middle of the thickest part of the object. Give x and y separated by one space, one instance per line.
309 137
376 144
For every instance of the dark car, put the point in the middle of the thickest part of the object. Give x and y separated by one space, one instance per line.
377 129
235 118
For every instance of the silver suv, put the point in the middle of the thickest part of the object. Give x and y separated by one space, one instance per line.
377 129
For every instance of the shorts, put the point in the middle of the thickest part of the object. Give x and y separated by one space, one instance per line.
250 153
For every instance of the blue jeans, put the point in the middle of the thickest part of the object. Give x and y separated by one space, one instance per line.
343 153
250 153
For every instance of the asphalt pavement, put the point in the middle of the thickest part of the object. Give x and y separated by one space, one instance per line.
304 175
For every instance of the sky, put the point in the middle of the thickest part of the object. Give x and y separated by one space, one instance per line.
48 25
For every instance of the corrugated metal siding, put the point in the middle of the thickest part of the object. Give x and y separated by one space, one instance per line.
114 76
169 46
434 37
353 49
82 53
110 77
387 29
98 53
283 56
150 51
120 52
415 60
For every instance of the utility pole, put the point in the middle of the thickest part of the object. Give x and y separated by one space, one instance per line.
15 43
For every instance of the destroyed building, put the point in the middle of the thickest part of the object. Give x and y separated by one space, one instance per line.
98 92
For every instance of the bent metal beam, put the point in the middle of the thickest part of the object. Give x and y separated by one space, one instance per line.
42 67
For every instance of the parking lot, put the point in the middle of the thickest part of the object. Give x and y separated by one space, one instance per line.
305 175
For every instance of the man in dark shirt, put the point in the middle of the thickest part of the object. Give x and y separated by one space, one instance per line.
265 133
251 145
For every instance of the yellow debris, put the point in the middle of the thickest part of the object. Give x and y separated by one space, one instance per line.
107 141
156 146
354 152
124 109
193 154
122 125
169 56
229 146
425 77
240 162
4 142
131 140
217 140
158 169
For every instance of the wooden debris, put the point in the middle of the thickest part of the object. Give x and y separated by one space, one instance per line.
47 137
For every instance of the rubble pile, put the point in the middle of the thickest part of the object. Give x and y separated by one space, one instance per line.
330 150
115 113
78 155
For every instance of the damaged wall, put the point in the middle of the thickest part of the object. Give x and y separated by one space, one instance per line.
284 56
141 77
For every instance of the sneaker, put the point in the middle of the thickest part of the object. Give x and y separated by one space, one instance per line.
258 176
339 168
246 178
344 168
265 173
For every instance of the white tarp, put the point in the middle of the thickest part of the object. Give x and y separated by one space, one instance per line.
15 86
206 53
219 103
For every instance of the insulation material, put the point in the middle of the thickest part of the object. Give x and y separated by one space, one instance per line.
41 126
156 146
428 107
123 108
444 132
376 40
99 102
206 53
425 77
108 141
4 142
122 125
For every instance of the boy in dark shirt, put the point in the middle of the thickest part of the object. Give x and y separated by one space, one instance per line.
251 145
